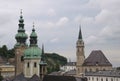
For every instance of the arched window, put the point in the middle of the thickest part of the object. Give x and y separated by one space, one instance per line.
90 70
35 64
22 58
28 65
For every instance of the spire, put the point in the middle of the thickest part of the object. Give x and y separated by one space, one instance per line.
21 20
33 37
42 56
42 49
80 33
21 12
33 30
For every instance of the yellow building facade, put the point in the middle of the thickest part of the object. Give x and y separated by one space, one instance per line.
7 70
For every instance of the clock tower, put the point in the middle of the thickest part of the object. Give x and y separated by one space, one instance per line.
80 54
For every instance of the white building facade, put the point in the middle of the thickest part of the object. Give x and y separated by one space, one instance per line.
68 67
104 76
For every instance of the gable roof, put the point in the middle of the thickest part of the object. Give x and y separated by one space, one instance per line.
96 58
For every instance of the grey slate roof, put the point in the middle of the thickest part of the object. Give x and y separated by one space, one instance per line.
112 73
69 73
20 77
34 78
96 58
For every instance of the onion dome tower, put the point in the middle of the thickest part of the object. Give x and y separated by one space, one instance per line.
20 46
32 56
21 36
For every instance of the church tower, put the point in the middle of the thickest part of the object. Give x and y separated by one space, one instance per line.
80 54
43 65
20 46
32 56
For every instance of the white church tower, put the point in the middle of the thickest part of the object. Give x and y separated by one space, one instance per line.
32 56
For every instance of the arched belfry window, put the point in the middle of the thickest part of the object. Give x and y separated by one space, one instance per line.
28 65
35 64
22 58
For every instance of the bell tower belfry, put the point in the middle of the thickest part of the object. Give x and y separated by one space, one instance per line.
80 54
20 46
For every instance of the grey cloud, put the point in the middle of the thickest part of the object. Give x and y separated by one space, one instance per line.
58 21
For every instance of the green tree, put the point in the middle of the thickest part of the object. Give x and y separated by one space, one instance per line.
118 68
1 78
3 51
54 61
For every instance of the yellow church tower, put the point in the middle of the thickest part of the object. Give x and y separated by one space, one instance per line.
80 54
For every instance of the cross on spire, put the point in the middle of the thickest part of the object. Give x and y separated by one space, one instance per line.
21 11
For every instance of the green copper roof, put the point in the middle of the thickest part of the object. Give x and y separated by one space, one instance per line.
33 52
80 34
21 35
33 34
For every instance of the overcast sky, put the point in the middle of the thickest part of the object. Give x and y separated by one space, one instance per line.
57 25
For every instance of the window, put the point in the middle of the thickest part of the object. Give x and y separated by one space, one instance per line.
28 65
97 79
89 78
111 79
90 70
35 64
78 49
92 79
101 79
106 79
97 70
22 58
85 69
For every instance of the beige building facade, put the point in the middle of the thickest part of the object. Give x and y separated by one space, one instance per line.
7 70
31 67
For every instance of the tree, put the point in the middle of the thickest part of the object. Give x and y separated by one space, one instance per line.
1 78
118 68
3 51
